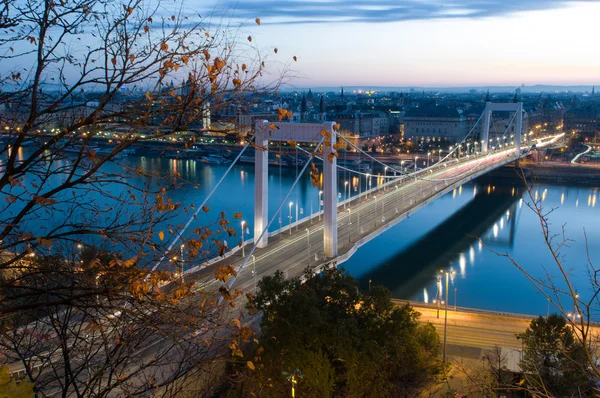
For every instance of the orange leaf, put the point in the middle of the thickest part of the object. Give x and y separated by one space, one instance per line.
257 21
250 365
250 38
275 50
161 235
164 46
295 59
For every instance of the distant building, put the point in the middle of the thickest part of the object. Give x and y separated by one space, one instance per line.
583 120
434 123
362 123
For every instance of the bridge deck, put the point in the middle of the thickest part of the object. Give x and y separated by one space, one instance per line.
364 218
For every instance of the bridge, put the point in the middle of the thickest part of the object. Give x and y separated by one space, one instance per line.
333 235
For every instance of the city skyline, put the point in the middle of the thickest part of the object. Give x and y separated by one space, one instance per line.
469 43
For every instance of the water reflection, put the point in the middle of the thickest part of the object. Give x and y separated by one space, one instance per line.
411 270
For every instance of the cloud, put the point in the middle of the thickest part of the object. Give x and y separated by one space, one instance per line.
343 11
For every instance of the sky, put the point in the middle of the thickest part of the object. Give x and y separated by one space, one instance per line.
426 43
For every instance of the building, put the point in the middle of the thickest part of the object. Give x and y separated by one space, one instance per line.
431 122
362 123
583 120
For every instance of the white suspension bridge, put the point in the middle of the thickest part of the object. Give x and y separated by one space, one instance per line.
334 234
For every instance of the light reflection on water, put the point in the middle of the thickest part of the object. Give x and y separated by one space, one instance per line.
408 258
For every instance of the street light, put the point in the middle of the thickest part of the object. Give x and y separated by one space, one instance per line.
446 310
402 165
243 224
428 153
349 224
307 246
416 157
290 216
440 155
346 196
254 269
319 208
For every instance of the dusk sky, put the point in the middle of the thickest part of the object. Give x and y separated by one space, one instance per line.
429 42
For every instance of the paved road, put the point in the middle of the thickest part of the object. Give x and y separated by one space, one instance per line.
476 329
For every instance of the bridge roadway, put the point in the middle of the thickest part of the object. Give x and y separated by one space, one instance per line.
362 218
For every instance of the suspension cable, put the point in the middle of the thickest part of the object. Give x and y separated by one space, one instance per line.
180 232
257 241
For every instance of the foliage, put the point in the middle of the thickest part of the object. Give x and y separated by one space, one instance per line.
87 322
554 362
9 388
345 343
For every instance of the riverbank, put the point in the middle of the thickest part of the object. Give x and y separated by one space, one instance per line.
553 172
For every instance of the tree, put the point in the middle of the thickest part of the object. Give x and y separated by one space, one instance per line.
554 362
146 72
557 287
345 343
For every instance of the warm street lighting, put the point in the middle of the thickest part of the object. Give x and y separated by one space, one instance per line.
243 224
319 208
346 185
307 246
446 310
290 216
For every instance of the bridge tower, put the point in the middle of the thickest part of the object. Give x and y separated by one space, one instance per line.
298 132
506 106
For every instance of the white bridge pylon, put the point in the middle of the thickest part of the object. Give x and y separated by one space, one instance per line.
298 132
490 107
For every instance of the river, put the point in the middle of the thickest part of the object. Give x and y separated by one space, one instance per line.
407 258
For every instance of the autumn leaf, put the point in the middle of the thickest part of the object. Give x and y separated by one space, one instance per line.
295 59
292 143
161 235
250 365
164 46
237 323
185 59
275 50
114 61
249 38
205 209
146 28
243 67
257 21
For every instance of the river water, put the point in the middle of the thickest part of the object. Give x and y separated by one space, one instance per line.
407 258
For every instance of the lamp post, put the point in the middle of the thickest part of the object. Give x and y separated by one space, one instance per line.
416 157
319 208
254 269
428 154
307 246
369 182
290 216
243 224
402 166
348 195
349 224
446 311
440 155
